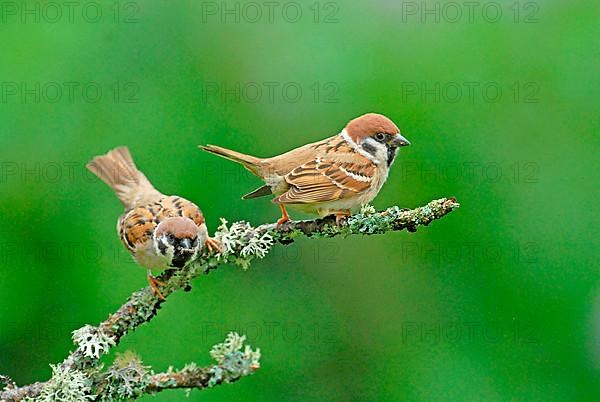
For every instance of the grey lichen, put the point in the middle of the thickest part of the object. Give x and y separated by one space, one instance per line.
65 386
92 341
125 379
6 380
242 242
232 362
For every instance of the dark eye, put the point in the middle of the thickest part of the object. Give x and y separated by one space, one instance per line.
380 136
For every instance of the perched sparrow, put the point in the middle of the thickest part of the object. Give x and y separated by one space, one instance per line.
332 176
160 231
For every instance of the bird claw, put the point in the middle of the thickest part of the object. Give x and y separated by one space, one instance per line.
341 219
154 284
282 221
213 244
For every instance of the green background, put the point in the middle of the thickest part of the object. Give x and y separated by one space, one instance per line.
497 301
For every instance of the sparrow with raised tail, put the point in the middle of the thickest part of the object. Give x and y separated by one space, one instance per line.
160 231
329 177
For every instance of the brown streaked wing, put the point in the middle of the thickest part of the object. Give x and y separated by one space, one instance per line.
177 206
326 180
285 163
136 227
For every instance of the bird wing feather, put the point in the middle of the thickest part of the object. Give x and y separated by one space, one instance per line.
322 180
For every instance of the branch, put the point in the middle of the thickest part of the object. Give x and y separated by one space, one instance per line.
128 378
241 244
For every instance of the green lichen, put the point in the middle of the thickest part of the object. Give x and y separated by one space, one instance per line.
369 222
284 237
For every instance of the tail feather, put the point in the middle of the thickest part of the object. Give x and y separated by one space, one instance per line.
117 169
259 192
251 163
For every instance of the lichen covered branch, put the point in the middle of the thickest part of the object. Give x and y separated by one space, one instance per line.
80 375
234 361
127 378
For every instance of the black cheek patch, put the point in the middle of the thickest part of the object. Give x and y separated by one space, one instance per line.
369 148
391 154
162 247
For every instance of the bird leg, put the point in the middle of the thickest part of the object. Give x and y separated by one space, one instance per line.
341 216
213 244
284 216
154 283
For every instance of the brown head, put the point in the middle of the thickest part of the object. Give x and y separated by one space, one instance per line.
178 239
377 135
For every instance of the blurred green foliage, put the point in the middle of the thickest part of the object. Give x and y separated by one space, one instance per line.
497 301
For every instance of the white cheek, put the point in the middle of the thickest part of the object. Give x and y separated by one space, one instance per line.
150 257
169 251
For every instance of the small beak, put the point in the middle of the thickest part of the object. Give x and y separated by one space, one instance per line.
400 141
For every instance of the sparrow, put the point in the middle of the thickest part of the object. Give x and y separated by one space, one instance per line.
159 231
329 177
